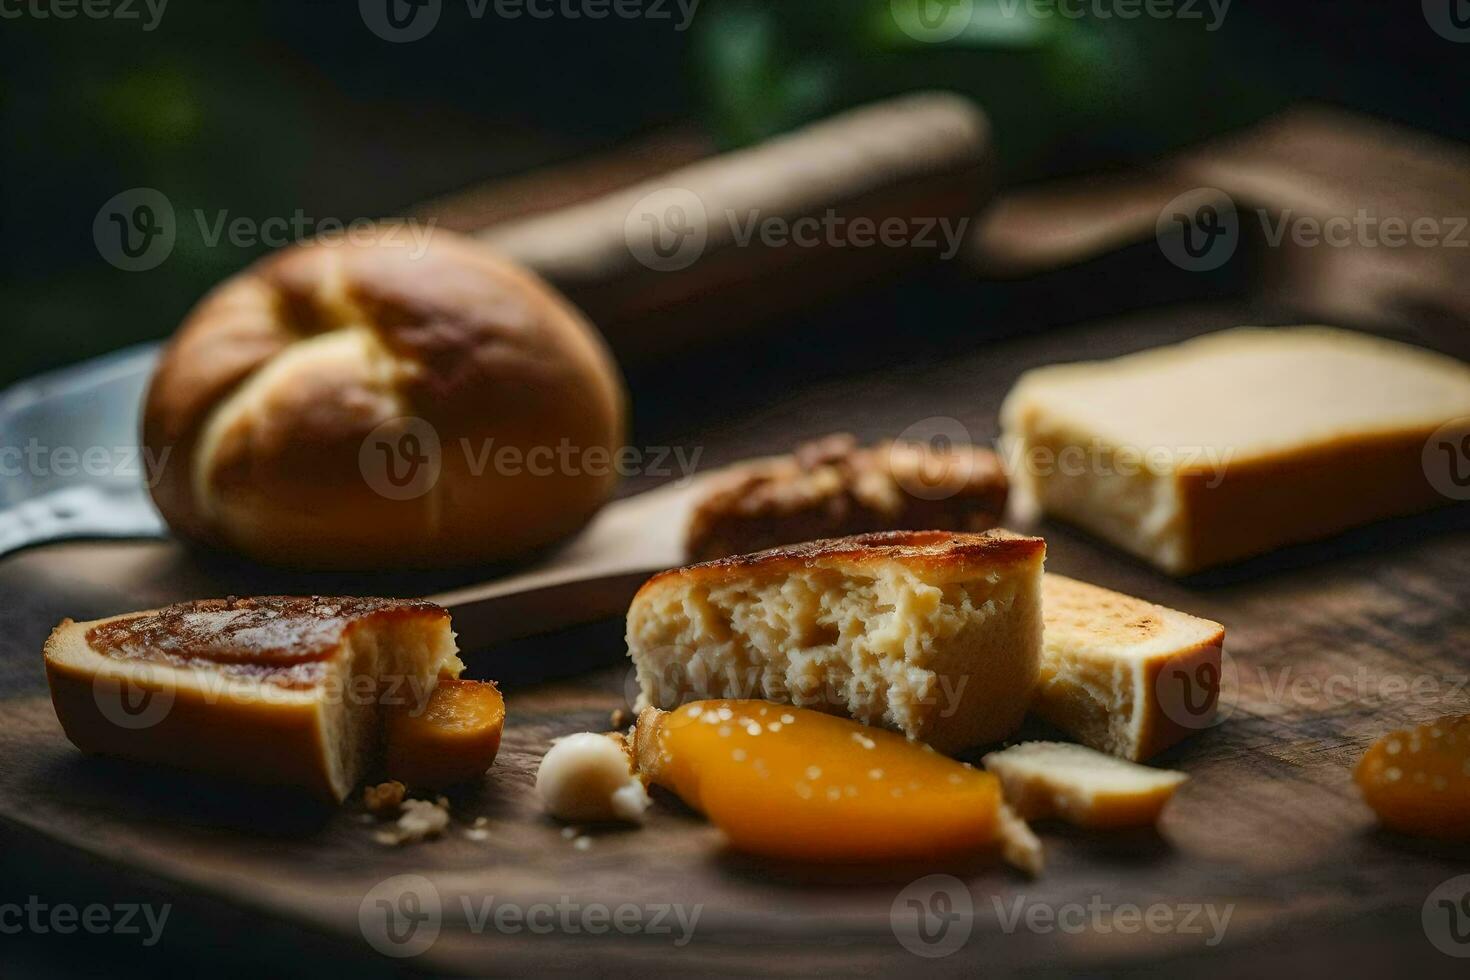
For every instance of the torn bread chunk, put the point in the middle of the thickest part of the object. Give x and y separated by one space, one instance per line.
1122 675
277 690
1236 443
933 634
1080 785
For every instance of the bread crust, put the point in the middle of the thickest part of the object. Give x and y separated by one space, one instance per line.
942 553
265 397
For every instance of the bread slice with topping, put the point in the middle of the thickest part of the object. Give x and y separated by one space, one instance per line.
275 690
930 633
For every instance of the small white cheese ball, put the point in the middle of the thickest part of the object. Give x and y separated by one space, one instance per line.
588 777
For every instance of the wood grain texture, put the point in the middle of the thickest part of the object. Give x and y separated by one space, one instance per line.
1330 646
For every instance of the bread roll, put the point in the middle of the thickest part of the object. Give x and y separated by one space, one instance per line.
359 403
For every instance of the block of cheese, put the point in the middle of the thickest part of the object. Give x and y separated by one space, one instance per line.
1123 675
1080 785
1235 443
931 633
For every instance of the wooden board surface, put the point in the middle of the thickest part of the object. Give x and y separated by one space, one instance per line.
1331 645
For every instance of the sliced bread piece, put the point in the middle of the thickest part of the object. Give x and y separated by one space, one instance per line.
1238 442
275 690
1123 675
930 633
1081 785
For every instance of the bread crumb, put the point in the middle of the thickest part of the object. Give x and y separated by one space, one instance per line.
420 820
621 718
589 777
1018 844
384 797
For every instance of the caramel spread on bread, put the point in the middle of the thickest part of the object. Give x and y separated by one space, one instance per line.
271 631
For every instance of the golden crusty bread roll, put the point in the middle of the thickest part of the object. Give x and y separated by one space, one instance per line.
380 400
276 690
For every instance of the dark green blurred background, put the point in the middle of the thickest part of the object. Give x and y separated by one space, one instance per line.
260 109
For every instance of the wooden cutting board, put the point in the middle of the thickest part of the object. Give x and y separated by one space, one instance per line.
1331 646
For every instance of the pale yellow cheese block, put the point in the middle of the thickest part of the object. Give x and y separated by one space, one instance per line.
1235 443
1080 785
1122 675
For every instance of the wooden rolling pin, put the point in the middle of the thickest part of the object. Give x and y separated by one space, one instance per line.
767 230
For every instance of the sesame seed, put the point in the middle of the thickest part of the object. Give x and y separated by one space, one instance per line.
738 755
804 791
788 719
813 772
582 843
875 773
